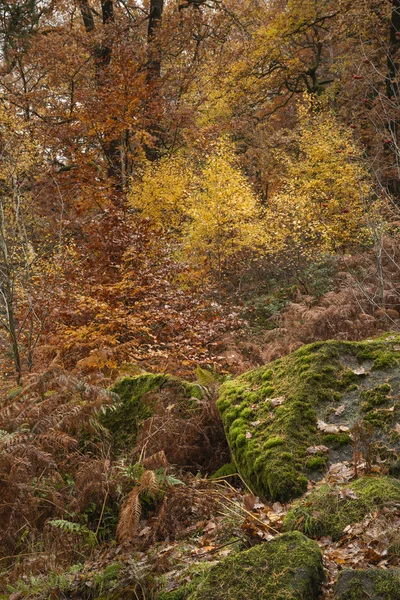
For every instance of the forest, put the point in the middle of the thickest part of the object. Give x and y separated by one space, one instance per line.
199 299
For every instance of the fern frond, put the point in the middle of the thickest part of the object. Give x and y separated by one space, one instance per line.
129 517
149 483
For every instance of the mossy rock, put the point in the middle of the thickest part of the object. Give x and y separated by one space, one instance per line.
286 568
135 403
227 470
271 414
371 584
329 509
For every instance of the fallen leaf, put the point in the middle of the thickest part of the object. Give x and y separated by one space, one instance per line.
210 527
249 501
359 371
340 410
277 507
277 401
248 435
317 449
331 429
347 493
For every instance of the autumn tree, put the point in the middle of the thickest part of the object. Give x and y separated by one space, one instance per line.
326 194
210 208
20 318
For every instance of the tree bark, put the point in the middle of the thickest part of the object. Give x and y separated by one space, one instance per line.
155 20
102 57
392 87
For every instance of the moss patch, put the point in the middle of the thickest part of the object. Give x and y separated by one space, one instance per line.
329 509
270 414
227 470
316 463
135 404
287 568
371 584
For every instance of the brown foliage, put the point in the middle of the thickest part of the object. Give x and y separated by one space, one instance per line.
41 429
189 436
362 305
131 511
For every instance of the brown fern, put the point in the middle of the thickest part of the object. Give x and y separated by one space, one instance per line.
129 517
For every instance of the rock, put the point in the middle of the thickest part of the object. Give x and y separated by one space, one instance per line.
131 407
166 419
321 397
288 567
371 584
329 509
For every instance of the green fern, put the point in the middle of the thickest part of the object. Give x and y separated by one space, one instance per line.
75 529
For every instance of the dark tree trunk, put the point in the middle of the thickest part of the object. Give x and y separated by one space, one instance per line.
392 87
155 19
87 16
102 56
153 78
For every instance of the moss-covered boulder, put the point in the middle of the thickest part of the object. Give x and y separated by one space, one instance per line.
371 584
329 509
286 568
131 407
158 416
287 421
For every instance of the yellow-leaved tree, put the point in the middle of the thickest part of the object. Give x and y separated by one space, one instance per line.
225 213
163 192
325 200
211 207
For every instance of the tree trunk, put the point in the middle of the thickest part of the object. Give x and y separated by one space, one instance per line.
155 19
394 46
102 56
7 296
153 78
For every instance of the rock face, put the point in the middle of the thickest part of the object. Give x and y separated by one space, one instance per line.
286 568
287 421
329 509
371 584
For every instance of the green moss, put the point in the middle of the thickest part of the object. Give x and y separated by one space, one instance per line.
132 407
307 382
317 463
240 440
273 441
181 593
375 397
385 360
378 418
336 440
348 380
286 568
352 387
367 584
246 413
225 471
329 509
